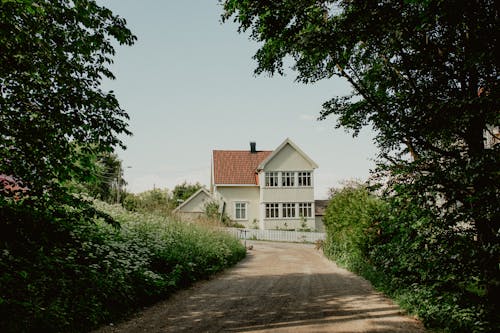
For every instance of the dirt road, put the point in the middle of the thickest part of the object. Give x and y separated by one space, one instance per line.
279 287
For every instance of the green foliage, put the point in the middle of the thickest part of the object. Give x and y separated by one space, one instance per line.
436 271
107 182
425 77
66 266
303 225
213 211
103 177
183 191
352 220
405 252
156 201
62 273
54 55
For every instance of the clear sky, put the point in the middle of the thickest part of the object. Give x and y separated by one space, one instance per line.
189 88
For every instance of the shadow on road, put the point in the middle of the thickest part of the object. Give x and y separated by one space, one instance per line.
280 289
305 302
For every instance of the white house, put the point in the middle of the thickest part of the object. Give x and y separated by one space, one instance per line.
266 189
262 189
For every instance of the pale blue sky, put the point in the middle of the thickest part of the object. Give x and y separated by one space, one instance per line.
189 88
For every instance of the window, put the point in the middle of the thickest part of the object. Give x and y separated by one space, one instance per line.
240 210
305 209
287 178
272 210
289 210
305 178
271 179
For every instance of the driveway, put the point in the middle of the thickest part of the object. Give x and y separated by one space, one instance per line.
279 287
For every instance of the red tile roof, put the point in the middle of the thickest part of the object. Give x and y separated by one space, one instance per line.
237 166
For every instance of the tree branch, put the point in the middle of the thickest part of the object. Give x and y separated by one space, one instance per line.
359 88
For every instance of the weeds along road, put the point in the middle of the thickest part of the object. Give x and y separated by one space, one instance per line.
279 287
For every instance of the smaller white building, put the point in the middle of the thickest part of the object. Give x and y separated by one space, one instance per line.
194 207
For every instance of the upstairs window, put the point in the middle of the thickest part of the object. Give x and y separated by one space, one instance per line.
240 210
287 179
305 209
272 210
304 178
271 179
289 209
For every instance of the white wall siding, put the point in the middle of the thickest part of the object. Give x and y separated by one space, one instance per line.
248 194
288 159
288 194
196 204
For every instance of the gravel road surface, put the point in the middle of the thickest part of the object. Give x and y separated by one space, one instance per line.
279 287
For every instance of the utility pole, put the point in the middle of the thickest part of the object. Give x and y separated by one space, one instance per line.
118 183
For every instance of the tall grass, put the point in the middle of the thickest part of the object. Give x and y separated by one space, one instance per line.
63 274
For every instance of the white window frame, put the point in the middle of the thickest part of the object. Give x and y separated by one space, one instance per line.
288 210
243 208
272 210
305 207
287 178
304 179
272 179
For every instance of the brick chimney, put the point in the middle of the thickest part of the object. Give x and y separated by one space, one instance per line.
253 149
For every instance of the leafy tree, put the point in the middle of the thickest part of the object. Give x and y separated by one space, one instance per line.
110 178
158 201
351 219
54 55
183 191
106 178
424 77
405 252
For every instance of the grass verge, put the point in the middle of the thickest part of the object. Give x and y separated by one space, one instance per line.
61 273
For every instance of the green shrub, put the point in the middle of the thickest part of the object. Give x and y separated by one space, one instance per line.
412 255
156 201
213 212
61 273
432 269
352 220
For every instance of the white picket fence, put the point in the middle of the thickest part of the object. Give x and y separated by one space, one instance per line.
277 235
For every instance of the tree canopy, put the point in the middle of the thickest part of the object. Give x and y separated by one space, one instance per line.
55 54
183 191
105 181
424 76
